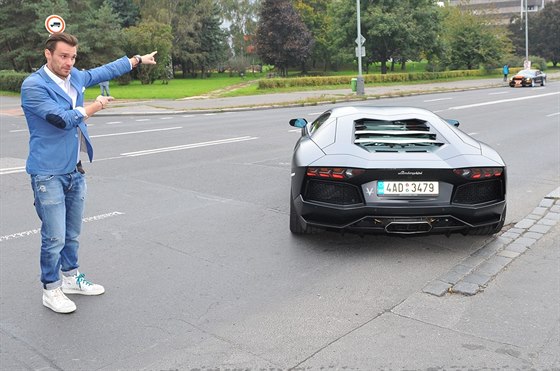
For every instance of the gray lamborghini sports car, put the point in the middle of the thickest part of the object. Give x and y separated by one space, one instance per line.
400 170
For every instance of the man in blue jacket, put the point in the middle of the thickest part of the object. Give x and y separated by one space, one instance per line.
53 102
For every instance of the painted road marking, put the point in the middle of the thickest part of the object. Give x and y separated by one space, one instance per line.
187 146
502 101
553 114
134 132
12 170
38 230
436 100
21 169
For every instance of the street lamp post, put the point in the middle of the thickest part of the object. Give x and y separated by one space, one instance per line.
526 33
360 90
525 8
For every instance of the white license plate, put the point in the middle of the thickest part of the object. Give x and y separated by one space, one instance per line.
385 188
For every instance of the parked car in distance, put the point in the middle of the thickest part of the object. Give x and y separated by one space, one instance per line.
528 78
395 170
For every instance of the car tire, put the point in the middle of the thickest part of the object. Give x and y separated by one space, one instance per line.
489 229
543 82
295 224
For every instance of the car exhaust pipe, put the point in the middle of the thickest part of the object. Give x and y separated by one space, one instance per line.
408 227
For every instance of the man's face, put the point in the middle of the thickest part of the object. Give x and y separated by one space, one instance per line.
62 59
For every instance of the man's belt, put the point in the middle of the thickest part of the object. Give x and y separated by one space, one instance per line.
79 168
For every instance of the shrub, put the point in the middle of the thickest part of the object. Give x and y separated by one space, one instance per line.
11 80
274 83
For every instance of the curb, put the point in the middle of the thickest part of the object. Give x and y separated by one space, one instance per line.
473 273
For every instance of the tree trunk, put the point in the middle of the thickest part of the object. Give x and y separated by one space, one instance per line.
383 67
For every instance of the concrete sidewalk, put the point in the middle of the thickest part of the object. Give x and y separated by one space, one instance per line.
514 324
510 322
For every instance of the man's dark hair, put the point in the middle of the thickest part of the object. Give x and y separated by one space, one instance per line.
60 36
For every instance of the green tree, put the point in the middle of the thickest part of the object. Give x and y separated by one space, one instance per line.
100 37
282 39
471 41
395 30
547 31
212 39
315 15
127 11
341 32
146 37
241 18
20 38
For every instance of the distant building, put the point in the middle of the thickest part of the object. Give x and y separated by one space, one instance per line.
501 10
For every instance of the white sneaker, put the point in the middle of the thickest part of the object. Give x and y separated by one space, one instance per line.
57 301
77 284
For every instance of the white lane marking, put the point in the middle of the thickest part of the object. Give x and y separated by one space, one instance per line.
209 114
314 113
12 170
187 146
294 131
187 116
134 132
38 230
553 114
473 133
502 101
436 100
165 118
140 120
18 130
500 92
21 169
113 122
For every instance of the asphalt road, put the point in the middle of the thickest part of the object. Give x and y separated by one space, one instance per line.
187 228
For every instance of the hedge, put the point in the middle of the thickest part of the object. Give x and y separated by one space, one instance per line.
369 79
11 81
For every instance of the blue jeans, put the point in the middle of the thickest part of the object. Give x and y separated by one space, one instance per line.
59 201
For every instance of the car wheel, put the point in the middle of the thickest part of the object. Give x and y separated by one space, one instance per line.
543 82
489 229
295 224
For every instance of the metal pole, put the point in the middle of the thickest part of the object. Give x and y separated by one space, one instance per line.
526 32
360 90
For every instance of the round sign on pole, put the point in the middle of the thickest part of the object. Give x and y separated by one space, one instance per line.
54 24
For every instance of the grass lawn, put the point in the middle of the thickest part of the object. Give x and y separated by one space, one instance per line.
175 89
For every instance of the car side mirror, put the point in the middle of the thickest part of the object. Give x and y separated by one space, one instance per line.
453 122
298 123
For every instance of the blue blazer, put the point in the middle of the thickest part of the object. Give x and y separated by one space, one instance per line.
53 123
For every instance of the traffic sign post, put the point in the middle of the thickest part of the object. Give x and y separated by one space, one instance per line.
55 24
360 52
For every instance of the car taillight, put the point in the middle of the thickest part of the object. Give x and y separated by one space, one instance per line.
333 172
480 173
